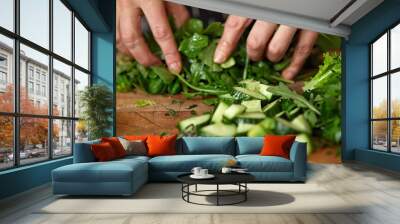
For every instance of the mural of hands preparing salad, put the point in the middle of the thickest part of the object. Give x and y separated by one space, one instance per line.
193 72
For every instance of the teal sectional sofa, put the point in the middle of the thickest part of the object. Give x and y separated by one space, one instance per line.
125 176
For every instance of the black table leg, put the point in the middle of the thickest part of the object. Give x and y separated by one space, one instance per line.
217 194
195 188
245 193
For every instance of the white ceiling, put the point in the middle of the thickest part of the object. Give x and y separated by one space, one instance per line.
326 16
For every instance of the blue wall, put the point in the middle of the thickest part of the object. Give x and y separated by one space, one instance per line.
356 85
99 15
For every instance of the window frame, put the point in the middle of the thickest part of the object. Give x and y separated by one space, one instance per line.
388 74
16 114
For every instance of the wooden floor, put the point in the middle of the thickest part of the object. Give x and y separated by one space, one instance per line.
379 189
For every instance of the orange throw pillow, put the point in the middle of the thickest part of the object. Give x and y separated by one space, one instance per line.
277 145
103 152
116 145
161 145
136 137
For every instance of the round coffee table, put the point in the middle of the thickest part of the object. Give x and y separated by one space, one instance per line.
238 179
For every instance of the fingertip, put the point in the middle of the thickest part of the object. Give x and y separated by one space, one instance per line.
289 73
219 57
175 67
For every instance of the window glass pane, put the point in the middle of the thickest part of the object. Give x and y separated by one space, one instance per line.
395 47
81 131
33 140
6 74
379 55
379 97
62 138
6 142
81 82
395 136
62 29
81 45
395 94
62 89
34 72
7 14
35 21
379 135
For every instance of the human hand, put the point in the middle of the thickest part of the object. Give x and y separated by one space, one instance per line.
129 36
267 40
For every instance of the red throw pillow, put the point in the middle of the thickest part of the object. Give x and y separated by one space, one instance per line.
116 145
277 145
103 151
161 145
136 137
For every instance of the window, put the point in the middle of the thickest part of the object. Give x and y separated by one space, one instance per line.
30 87
37 89
81 45
7 14
3 78
30 72
35 21
48 80
385 95
44 91
6 73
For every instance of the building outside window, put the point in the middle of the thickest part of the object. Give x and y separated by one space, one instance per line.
30 87
385 94
30 72
3 72
58 128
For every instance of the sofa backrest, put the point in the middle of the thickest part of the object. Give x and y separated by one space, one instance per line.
249 145
206 145
83 152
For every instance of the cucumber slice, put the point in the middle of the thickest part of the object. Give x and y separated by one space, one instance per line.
257 131
228 63
219 130
233 111
300 124
252 105
244 127
263 89
196 121
250 93
219 112
252 116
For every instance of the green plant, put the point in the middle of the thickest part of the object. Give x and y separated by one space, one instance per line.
96 102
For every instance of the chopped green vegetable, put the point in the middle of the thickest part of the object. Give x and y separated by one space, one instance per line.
219 112
219 130
252 105
233 111
194 121
228 63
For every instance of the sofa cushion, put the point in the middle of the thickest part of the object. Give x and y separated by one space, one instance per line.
161 145
208 145
277 145
257 163
103 152
116 145
112 171
249 145
185 163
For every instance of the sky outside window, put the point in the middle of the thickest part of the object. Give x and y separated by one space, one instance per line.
7 14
